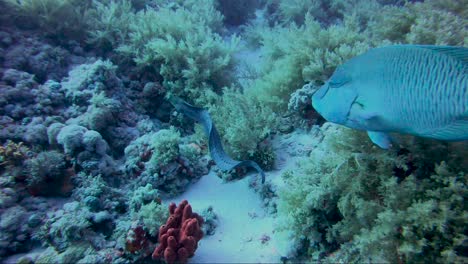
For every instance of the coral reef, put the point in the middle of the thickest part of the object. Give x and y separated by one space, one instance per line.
14 230
353 202
191 58
47 174
44 61
88 149
156 158
136 239
237 12
178 238
12 154
91 149
303 115
49 16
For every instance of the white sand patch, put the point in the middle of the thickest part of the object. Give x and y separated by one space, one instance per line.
242 222
242 219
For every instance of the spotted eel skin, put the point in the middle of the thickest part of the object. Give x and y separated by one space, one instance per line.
200 115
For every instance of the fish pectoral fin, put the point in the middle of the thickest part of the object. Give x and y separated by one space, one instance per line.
369 116
381 139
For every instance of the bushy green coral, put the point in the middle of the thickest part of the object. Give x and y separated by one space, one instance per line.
143 195
153 215
431 22
61 19
109 23
294 55
457 7
165 146
178 41
437 27
353 202
47 167
392 23
145 206
327 12
242 122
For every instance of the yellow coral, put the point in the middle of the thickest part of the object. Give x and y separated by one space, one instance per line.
12 154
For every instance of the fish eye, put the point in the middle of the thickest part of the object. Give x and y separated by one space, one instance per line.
336 83
318 82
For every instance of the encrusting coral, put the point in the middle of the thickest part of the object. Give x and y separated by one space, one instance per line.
179 237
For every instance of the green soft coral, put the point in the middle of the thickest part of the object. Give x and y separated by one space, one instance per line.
109 23
294 55
165 145
353 202
431 22
61 19
242 122
179 42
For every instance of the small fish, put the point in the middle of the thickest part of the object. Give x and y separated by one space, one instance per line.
410 89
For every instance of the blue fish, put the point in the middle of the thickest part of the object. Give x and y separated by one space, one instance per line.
410 89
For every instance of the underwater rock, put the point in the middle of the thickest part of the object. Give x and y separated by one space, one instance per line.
14 231
156 159
42 60
5 39
137 240
13 76
210 221
48 174
302 114
285 126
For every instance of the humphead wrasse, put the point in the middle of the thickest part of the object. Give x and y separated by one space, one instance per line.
410 89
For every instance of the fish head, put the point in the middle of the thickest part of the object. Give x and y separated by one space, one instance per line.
335 98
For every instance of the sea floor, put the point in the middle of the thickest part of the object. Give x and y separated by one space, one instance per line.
242 222
246 232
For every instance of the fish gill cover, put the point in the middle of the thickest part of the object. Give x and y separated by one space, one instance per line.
92 152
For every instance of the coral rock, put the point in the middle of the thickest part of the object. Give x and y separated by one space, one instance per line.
136 239
178 238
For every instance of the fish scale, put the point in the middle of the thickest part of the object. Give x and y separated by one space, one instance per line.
412 89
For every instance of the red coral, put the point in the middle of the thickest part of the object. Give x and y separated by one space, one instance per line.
178 238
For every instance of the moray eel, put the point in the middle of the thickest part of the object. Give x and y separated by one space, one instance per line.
410 89
222 159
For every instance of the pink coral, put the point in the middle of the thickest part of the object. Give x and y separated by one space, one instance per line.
178 238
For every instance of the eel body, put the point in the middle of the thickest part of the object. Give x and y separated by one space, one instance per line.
220 157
